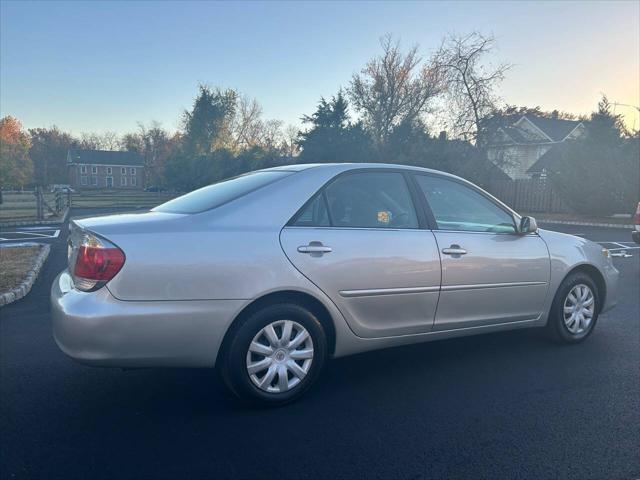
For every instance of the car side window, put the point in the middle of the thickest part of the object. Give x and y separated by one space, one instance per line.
458 207
370 200
314 214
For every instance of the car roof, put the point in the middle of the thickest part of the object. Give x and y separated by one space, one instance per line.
340 167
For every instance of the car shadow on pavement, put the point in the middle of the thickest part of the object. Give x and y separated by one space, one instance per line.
187 392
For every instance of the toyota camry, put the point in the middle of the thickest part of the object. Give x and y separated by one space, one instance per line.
268 275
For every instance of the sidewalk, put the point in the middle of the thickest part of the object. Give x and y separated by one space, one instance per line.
583 220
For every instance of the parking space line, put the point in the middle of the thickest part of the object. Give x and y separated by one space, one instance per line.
22 235
36 234
39 228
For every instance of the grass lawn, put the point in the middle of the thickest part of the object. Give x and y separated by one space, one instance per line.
575 217
15 263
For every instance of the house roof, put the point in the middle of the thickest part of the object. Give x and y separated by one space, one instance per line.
555 128
547 160
105 157
516 134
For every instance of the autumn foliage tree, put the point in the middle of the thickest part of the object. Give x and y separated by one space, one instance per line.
16 167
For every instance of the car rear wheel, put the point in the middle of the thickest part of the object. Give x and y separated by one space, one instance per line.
574 311
275 355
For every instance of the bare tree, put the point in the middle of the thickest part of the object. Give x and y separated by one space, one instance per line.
155 145
271 134
106 141
249 129
470 82
290 146
247 124
393 88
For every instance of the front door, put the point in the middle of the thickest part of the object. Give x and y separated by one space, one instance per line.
109 182
490 273
359 240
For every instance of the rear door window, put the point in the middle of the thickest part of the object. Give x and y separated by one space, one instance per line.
362 200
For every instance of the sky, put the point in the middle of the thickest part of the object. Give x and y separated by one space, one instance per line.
105 66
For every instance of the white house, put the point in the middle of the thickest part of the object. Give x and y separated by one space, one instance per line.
518 146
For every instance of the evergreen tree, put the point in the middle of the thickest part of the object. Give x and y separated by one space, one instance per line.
332 137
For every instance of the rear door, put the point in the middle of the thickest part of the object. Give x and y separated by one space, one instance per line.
490 273
363 243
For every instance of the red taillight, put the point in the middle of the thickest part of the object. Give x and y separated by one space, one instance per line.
636 218
94 262
98 263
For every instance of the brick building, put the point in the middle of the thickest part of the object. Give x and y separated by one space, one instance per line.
100 169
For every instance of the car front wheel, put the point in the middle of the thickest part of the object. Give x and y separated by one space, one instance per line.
574 311
275 355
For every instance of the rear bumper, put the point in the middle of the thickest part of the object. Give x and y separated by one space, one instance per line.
98 329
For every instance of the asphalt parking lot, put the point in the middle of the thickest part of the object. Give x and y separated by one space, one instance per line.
508 405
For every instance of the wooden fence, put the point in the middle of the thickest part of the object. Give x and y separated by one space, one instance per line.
528 195
120 199
37 204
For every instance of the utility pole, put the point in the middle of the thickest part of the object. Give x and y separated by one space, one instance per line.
616 104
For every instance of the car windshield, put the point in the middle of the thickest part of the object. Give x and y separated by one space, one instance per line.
213 196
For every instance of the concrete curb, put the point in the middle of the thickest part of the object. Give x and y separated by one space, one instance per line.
24 288
20 223
585 224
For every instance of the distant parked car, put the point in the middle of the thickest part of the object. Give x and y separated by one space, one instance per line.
154 188
269 274
635 234
62 188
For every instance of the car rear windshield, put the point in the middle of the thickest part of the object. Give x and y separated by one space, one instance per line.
213 196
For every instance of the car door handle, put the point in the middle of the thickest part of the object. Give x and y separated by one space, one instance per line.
454 250
318 249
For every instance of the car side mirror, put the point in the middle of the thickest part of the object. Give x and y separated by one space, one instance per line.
528 225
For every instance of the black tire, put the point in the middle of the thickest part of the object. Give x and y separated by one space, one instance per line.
556 328
233 366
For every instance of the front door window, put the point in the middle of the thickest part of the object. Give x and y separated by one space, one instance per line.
458 207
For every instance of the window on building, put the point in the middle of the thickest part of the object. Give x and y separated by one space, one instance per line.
83 180
133 171
83 169
134 181
94 169
109 170
94 181
123 171
123 181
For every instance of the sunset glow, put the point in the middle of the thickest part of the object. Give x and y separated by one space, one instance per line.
106 66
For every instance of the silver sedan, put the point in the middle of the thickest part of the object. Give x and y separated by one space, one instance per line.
268 275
